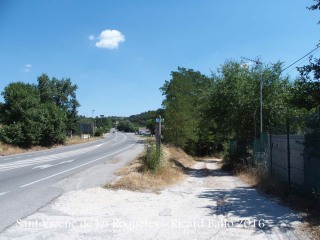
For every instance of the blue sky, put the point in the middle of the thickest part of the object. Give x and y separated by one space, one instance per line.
120 72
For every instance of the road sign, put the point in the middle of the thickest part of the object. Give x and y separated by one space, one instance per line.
158 120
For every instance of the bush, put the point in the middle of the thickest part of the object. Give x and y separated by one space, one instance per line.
126 126
12 134
43 126
99 132
153 158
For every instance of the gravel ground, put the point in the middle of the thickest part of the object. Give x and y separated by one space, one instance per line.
207 205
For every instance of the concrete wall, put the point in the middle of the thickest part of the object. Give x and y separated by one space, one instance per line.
280 157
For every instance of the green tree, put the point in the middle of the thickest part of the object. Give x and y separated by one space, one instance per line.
315 6
306 92
63 94
307 88
53 124
182 100
126 126
37 115
233 108
19 98
19 113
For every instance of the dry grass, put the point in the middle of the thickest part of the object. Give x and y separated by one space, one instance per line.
255 177
299 201
77 139
133 176
6 149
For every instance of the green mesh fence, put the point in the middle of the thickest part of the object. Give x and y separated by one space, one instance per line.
260 151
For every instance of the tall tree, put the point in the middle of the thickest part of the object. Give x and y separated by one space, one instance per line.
27 121
19 114
315 6
307 87
182 100
38 115
231 109
63 94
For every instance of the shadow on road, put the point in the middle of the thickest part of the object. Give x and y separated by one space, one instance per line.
199 172
243 203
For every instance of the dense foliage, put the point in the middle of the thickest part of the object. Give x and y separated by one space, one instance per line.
38 114
126 126
204 112
147 119
183 100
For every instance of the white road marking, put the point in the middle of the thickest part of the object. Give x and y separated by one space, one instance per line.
5 159
43 166
42 179
3 193
125 137
52 165
115 138
35 161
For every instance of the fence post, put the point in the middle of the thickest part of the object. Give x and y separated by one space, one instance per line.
288 152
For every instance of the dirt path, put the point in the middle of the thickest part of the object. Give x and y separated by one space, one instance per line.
209 204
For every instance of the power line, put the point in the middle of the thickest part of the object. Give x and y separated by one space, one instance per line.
318 46
303 61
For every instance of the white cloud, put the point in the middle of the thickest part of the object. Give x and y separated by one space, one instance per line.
27 67
109 39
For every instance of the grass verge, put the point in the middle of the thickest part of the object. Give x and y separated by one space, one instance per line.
136 177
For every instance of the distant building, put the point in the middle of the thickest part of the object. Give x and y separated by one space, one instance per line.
144 131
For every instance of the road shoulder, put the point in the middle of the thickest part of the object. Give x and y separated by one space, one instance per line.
208 204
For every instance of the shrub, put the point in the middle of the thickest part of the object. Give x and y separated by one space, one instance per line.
99 132
153 158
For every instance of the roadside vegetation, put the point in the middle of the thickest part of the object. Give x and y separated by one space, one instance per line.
38 115
203 116
140 175
220 113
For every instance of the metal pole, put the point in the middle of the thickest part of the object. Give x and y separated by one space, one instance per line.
288 149
258 62
158 135
261 129
159 132
270 156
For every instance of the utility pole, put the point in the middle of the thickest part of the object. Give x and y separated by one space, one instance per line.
259 63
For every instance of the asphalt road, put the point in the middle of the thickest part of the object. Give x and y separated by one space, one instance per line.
30 181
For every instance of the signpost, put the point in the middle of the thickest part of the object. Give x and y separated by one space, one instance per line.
159 120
